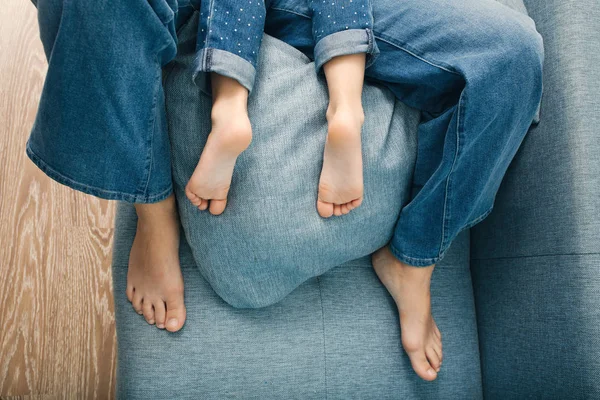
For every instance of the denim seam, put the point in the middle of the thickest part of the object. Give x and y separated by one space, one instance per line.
209 23
152 126
290 11
324 343
92 190
323 51
168 68
414 261
447 199
404 47
416 54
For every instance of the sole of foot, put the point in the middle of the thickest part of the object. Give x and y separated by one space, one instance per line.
409 286
341 181
154 281
231 134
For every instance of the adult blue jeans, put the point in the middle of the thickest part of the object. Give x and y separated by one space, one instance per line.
473 67
230 33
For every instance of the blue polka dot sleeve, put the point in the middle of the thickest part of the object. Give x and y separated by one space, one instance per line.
342 27
228 41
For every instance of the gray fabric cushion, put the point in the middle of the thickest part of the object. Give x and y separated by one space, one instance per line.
270 238
536 259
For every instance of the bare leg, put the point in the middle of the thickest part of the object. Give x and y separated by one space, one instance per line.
409 286
341 182
154 280
230 135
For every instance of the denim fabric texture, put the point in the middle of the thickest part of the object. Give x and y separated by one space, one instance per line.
478 87
255 253
230 32
228 40
100 126
535 274
270 238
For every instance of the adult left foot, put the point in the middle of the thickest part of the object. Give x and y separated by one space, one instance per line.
341 182
410 288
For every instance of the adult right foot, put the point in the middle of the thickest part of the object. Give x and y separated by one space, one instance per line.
154 279
409 287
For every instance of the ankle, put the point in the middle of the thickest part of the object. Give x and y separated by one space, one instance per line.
351 110
228 92
150 212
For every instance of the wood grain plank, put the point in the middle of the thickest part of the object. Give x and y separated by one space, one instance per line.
57 328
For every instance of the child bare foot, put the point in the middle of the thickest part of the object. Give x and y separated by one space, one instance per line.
154 280
230 135
341 181
409 286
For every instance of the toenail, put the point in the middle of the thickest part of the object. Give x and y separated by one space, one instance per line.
160 326
172 323
431 372
151 321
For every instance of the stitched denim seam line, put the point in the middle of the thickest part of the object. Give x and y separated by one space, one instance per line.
408 49
446 217
324 343
428 261
414 261
536 256
150 155
290 11
93 190
404 47
209 24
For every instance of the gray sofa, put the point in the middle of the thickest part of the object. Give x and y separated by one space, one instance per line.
517 298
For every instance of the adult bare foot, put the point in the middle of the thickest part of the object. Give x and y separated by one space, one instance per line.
341 182
154 279
230 135
410 288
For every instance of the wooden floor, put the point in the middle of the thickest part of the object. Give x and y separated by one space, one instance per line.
57 327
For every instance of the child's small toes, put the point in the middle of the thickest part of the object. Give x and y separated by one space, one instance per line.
345 209
325 210
217 206
203 204
337 210
357 202
148 311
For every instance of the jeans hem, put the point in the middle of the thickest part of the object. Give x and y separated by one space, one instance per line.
426 261
92 190
413 261
223 63
349 41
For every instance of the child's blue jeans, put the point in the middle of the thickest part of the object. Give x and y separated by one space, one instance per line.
230 32
473 67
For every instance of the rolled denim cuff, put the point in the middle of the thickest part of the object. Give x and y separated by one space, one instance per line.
349 41
223 63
